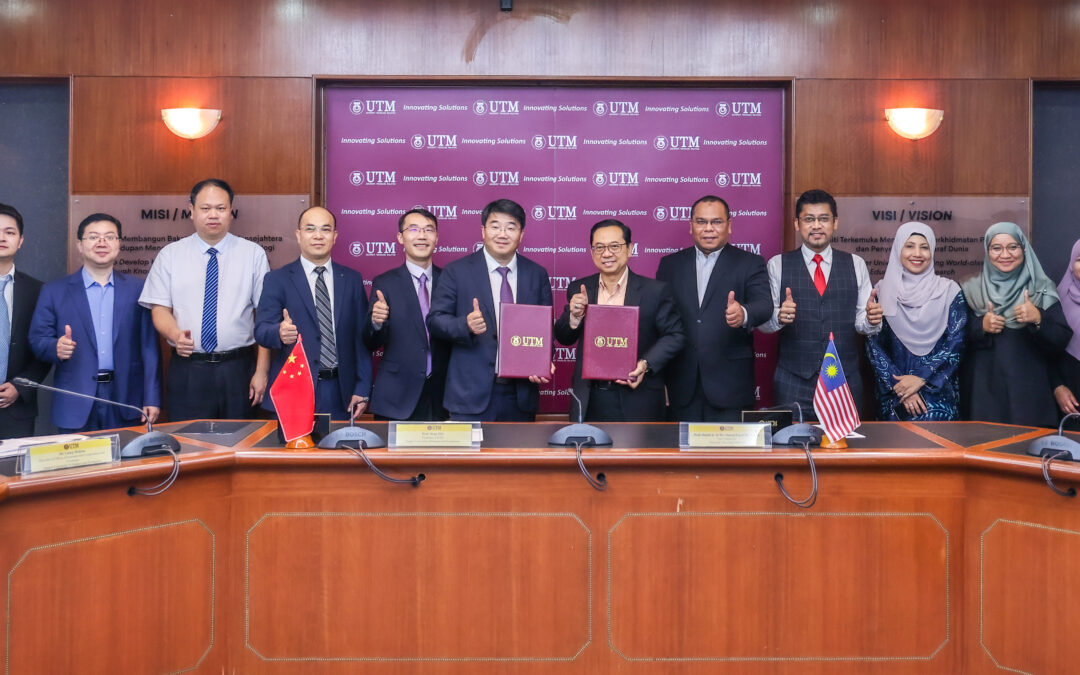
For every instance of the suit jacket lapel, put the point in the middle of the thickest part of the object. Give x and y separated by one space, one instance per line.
82 306
300 282
633 290
121 298
339 293
714 278
408 294
487 303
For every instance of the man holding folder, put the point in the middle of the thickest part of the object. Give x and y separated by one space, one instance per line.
639 396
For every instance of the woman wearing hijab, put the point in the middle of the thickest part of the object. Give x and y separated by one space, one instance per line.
1066 376
1016 331
917 353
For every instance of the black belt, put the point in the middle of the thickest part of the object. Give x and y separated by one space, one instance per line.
217 357
603 384
328 373
103 376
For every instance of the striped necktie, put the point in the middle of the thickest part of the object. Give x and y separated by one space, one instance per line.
327 341
5 328
210 298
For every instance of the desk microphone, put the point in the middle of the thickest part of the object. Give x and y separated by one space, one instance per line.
580 435
150 443
799 433
356 439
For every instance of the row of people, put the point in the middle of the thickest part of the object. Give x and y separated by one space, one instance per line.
212 296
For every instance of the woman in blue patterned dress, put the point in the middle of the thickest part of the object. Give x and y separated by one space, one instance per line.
917 353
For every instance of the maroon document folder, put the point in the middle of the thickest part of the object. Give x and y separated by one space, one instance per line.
524 340
610 344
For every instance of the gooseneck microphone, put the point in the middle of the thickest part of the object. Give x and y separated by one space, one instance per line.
579 435
150 443
356 439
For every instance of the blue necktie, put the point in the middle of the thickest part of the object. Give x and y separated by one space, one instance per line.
209 309
5 329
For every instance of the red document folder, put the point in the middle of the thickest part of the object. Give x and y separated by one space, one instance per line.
524 340
610 344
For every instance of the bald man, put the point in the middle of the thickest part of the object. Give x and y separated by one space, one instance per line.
325 303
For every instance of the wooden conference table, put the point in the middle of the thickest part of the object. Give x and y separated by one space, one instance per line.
932 548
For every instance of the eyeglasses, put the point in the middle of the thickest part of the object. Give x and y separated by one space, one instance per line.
809 220
998 249
598 249
420 230
94 238
507 229
715 222
312 229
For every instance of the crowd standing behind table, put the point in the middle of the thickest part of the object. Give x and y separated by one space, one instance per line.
1019 358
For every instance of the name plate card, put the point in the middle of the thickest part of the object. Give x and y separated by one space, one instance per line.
713 437
70 454
451 436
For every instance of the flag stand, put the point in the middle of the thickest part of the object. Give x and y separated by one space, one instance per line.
302 443
829 444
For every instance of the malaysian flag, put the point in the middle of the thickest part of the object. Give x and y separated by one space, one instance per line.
833 402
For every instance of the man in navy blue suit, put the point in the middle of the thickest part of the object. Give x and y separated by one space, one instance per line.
325 303
103 343
411 376
465 312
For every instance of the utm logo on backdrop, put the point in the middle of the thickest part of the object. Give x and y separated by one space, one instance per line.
615 179
739 108
554 142
495 107
435 141
554 212
739 179
497 178
615 108
373 107
373 177
444 211
374 249
673 213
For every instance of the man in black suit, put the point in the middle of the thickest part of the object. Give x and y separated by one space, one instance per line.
640 396
722 292
412 374
18 296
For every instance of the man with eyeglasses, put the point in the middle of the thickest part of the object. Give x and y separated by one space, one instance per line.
325 303
202 292
18 294
639 397
818 290
465 312
411 376
722 292
91 326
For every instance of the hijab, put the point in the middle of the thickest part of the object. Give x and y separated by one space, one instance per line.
1006 289
916 305
1069 291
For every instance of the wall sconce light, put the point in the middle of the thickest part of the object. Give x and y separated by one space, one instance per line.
190 123
914 123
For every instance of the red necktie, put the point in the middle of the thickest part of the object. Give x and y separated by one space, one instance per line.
819 276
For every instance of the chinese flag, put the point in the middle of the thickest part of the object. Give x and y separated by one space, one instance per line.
293 395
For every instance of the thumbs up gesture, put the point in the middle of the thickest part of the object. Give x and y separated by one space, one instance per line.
65 346
380 311
787 308
475 320
874 312
734 312
578 304
185 345
287 329
992 323
1026 311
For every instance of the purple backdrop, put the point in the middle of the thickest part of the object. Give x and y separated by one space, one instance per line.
570 156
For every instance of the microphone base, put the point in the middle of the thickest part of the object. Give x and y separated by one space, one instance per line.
586 434
797 433
353 437
1052 445
151 443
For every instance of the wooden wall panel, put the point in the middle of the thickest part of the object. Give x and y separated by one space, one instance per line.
737 38
843 144
120 145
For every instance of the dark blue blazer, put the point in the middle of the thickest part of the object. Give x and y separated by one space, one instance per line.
470 375
287 288
136 355
402 371
21 359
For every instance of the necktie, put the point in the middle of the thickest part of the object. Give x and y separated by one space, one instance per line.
425 305
505 294
5 329
327 341
819 275
209 308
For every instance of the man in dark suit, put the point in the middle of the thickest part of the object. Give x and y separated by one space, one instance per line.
465 312
640 396
411 376
91 326
325 303
722 292
18 295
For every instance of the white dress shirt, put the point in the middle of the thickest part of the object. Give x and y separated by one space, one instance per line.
177 280
9 292
312 277
862 279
